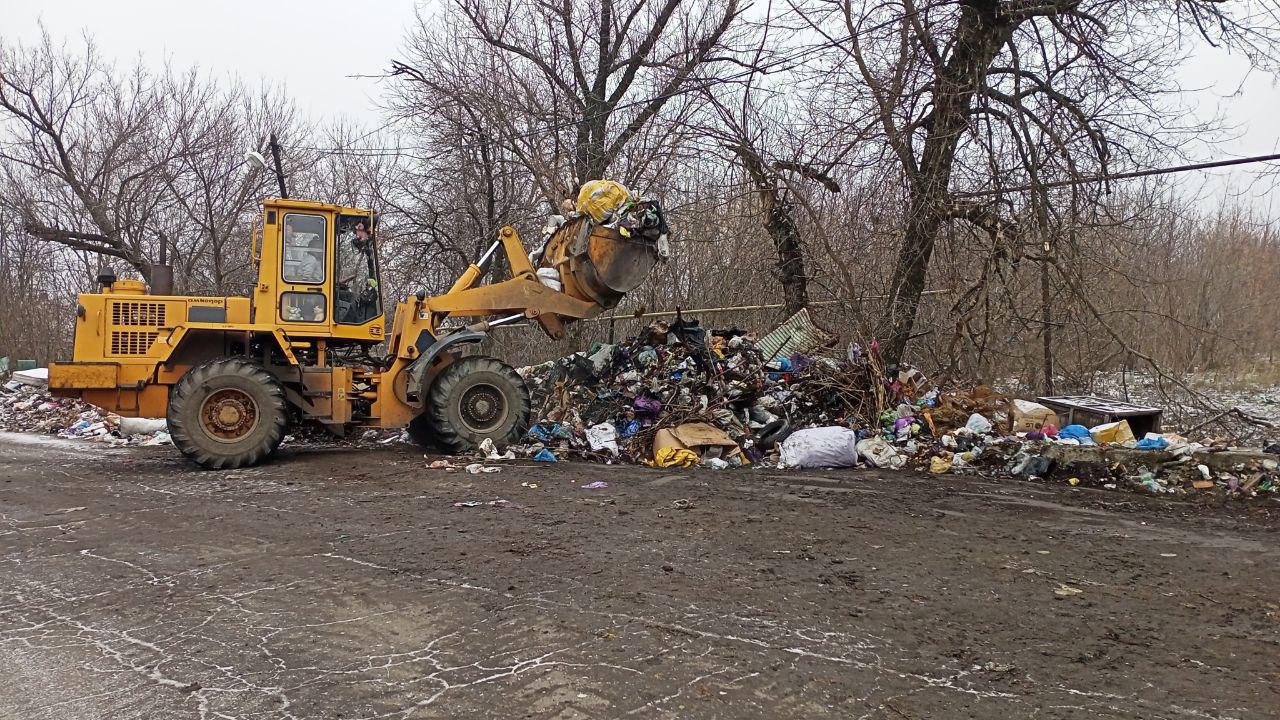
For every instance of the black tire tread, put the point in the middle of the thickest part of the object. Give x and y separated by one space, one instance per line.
435 414
275 413
421 433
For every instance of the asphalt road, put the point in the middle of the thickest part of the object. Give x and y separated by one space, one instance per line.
346 584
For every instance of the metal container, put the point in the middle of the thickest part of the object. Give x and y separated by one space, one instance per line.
1089 411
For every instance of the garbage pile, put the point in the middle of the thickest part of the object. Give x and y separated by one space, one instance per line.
27 406
678 395
1010 436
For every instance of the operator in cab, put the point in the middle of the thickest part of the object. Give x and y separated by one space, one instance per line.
358 299
311 267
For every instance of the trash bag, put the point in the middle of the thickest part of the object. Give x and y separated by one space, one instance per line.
600 198
141 426
603 437
822 447
1079 433
647 405
675 457
978 424
1153 441
551 278
880 453
601 359
1027 465
691 333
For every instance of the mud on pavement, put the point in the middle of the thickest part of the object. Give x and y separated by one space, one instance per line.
346 584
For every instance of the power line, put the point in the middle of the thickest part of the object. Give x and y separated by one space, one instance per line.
739 308
1124 176
767 67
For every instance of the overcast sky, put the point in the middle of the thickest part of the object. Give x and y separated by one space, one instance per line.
314 48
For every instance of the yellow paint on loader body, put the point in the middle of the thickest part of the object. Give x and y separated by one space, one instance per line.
318 292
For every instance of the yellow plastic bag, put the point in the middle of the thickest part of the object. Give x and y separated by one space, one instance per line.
600 198
939 465
675 457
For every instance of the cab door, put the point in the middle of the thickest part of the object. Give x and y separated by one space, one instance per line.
357 294
304 303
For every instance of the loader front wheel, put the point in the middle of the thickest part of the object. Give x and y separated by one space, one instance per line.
474 399
227 413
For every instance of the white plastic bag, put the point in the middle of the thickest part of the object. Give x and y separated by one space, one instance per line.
820 448
141 426
551 278
491 451
880 453
603 437
978 425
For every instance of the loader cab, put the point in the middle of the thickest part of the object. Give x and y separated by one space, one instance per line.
318 272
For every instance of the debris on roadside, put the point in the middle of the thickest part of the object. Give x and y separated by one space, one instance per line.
481 469
482 503
27 406
682 395
678 395
820 447
491 453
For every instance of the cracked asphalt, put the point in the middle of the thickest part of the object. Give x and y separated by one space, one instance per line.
339 583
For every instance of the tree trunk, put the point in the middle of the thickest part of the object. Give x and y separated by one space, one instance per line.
1046 318
591 162
779 222
925 217
982 32
782 229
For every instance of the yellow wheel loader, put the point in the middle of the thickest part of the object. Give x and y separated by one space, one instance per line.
232 373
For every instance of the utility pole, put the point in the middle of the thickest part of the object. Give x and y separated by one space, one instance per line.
275 156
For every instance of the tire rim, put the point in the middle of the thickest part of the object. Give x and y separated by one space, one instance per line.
228 415
483 408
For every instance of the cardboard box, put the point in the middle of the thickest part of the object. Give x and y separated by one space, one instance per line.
1115 432
1027 416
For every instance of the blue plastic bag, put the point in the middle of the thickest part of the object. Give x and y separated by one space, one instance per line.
1076 432
1153 443
545 455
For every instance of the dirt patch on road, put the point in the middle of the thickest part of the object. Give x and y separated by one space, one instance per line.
347 584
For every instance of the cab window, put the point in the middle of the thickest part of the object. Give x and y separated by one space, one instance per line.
303 307
358 297
304 249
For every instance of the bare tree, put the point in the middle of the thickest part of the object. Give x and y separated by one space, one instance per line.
80 149
780 164
136 165
569 85
993 91
214 193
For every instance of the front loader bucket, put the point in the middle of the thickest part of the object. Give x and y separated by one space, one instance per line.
598 263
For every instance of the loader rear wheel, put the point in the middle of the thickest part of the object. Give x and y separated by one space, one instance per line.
227 413
475 398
